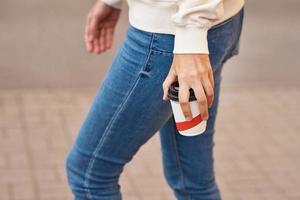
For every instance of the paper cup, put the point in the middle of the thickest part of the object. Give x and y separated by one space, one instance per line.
197 125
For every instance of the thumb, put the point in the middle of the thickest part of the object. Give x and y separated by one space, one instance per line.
167 83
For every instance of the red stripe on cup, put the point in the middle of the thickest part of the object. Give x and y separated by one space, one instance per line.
182 126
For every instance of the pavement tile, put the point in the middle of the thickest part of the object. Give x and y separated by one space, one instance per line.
256 158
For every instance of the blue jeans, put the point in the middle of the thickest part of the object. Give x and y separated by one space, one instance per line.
128 110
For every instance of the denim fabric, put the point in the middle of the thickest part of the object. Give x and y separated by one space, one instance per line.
128 110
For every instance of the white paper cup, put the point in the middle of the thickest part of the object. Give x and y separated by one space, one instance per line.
196 126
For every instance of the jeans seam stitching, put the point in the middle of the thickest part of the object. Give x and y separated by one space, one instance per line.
179 164
145 67
105 134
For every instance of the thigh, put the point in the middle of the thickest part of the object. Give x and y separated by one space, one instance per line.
128 107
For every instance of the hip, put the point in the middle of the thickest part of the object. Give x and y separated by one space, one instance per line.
223 39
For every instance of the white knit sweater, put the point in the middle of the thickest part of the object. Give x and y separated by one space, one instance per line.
188 20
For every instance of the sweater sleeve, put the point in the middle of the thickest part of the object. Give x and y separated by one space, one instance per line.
192 21
114 3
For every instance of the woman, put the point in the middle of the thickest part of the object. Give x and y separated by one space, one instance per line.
167 40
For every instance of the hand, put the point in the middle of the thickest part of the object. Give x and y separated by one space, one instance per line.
192 71
100 26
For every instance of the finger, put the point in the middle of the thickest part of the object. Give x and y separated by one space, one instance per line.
109 36
208 89
212 81
201 99
171 77
99 36
93 34
88 44
105 39
97 40
184 95
102 39
86 28
96 45
93 30
211 78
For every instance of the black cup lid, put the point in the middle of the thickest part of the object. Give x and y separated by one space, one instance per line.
174 89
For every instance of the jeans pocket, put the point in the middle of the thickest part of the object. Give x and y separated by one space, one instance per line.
136 51
163 44
222 23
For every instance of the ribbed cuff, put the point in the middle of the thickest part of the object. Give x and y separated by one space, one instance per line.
189 39
114 3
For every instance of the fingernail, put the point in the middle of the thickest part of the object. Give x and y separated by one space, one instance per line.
188 118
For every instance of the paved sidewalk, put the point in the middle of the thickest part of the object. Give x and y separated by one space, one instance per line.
256 152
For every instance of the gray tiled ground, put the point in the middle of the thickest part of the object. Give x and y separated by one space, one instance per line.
256 153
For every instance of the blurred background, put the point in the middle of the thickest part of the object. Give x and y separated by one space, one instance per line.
48 80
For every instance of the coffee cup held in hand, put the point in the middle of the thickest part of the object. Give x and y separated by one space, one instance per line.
197 125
